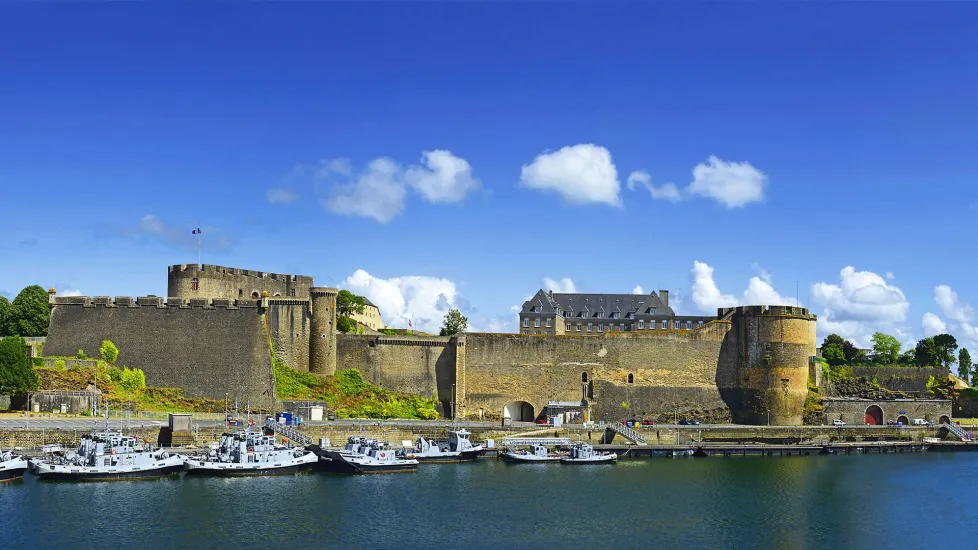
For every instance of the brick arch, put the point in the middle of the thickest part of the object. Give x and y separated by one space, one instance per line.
874 415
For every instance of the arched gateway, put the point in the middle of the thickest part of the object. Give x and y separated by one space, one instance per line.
518 411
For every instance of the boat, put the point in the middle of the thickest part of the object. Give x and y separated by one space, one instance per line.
363 456
537 454
12 466
248 453
107 455
583 453
458 449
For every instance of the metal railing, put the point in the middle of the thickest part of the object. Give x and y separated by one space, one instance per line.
526 441
958 431
628 433
290 432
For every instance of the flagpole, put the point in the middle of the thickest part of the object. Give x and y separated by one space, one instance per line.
198 243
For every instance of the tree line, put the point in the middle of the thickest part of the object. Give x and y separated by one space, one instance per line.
27 315
936 351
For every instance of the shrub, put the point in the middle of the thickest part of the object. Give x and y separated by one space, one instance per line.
81 354
59 364
114 374
427 414
108 352
133 380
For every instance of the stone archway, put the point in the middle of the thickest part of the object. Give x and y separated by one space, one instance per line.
945 419
874 415
518 411
904 420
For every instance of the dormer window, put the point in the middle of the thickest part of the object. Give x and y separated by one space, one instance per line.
536 309
630 316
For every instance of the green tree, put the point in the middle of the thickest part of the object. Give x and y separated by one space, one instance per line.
886 348
349 304
4 311
834 354
345 324
854 355
832 339
946 346
907 358
964 364
454 323
16 372
925 354
132 380
29 313
108 352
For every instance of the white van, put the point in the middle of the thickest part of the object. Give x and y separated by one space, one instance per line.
838 422
920 422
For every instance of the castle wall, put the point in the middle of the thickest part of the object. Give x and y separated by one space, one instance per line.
289 325
853 411
216 281
906 379
420 366
207 349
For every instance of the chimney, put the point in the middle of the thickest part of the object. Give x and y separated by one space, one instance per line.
664 297
551 293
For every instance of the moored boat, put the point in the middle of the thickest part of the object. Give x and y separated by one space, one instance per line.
459 448
250 454
363 456
104 456
537 454
12 466
583 453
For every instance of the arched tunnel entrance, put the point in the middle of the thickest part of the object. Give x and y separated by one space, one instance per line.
518 411
945 419
904 420
874 415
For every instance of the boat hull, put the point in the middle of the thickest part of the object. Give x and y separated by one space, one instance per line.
530 459
335 463
598 460
228 469
14 470
92 475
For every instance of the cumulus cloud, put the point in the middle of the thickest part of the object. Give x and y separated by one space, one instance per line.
932 324
443 177
341 166
152 227
560 286
666 191
951 306
580 174
861 304
761 272
66 291
421 300
708 298
277 195
733 184
638 290
380 190
890 276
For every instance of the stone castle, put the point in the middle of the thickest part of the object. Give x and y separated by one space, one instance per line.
216 333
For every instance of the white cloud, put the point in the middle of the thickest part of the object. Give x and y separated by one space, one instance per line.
443 178
763 273
951 306
708 298
418 299
667 191
561 286
932 324
69 292
890 276
861 304
580 174
377 192
969 333
638 290
277 195
339 166
733 184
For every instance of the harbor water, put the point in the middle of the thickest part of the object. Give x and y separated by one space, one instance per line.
854 501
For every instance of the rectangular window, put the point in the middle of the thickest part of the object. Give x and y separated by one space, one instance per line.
600 327
579 327
536 322
699 323
526 332
689 325
675 325
665 324
590 326
194 284
549 322
292 293
536 309
526 321
641 323
622 326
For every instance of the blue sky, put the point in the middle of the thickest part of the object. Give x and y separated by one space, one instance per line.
462 153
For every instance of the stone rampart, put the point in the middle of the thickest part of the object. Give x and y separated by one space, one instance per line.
206 347
289 323
911 380
217 281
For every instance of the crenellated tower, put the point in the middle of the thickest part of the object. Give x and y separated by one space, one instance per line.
322 334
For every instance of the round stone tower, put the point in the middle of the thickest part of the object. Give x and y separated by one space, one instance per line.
775 345
322 334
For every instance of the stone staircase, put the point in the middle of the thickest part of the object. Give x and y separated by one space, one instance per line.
628 433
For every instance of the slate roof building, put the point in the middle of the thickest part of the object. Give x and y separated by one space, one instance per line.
370 316
593 314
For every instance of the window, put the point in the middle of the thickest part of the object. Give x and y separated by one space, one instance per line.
665 324
641 323
579 327
550 322
526 321
622 326
584 377
292 292
615 315
536 322
631 378
699 323
240 292
550 333
689 325
194 284
536 309
590 326
676 325
630 316
600 327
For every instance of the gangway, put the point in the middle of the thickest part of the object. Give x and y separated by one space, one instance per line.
958 431
628 433
290 432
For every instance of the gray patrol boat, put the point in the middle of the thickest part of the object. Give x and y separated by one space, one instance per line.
250 453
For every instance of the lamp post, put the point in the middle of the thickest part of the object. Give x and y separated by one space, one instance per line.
768 415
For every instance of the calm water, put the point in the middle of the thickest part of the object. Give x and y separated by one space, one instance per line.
746 502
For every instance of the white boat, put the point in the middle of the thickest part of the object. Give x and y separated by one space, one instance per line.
364 456
582 453
459 448
536 454
107 456
12 466
250 454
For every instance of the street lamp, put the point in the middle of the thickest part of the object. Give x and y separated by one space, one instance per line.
768 415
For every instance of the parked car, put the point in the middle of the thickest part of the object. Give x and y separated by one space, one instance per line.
838 422
685 422
543 421
648 422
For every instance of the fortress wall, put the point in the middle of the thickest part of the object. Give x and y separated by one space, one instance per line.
669 368
289 324
206 351
408 364
216 281
905 379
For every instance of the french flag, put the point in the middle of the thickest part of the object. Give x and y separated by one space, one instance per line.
196 231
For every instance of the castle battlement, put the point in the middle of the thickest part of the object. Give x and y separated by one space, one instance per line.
171 302
765 310
210 270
